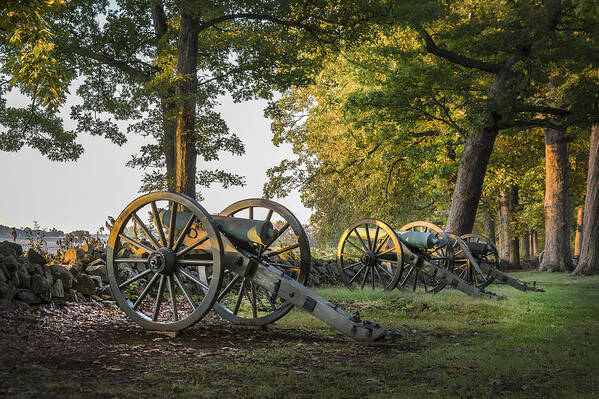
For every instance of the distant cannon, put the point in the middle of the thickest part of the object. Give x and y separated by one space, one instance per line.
371 254
169 262
420 255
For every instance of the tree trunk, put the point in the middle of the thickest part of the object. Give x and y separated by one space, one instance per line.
510 246
505 208
468 187
556 256
533 243
578 236
589 253
489 224
514 245
169 128
525 245
185 138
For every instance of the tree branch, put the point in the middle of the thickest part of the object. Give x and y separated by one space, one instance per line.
431 47
160 21
120 65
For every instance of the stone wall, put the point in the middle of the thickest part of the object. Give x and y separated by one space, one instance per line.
27 279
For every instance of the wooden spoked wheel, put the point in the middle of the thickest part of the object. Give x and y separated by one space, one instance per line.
441 255
150 269
243 302
369 255
490 256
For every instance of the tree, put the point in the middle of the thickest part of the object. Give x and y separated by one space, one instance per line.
163 65
30 65
589 255
409 81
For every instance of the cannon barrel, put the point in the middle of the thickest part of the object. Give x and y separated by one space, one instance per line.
477 247
418 239
413 239
246 230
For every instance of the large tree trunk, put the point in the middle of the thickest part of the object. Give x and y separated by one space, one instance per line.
556 256
469 185
185 137
525 245
509 244
578 235
505 209
515 243
169 128
489 224
533 243
589 253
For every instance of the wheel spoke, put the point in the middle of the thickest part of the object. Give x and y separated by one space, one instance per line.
131 260
158 224
145 291
378 274
354 245
239 297
185 293
356 275
407 276
353 265
251 212
192 246
193 278
181 237
133 279
378 249
368 237
415 280
364 279
228 288
282 250
269 215
276 236
145 230
158 299
351 256
196 262
423 279
360 238
372 276
376 236
254 309
136 243
171 226
386 251
384 270
171 291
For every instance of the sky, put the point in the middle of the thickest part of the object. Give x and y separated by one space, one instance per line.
82 194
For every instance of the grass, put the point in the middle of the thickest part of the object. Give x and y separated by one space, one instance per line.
532 345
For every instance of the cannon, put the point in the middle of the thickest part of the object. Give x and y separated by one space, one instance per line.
170 262
371 254
423 256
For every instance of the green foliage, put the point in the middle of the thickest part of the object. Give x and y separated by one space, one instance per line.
380 130
27 51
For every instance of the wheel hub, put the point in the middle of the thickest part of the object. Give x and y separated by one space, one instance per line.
162 261
368 258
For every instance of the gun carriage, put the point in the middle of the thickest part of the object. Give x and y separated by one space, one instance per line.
420 255
168 272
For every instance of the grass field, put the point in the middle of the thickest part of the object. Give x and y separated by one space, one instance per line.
532 345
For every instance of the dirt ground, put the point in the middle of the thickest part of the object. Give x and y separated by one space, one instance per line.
76 349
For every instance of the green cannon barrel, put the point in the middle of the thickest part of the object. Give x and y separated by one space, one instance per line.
247 230
413 239
418 239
